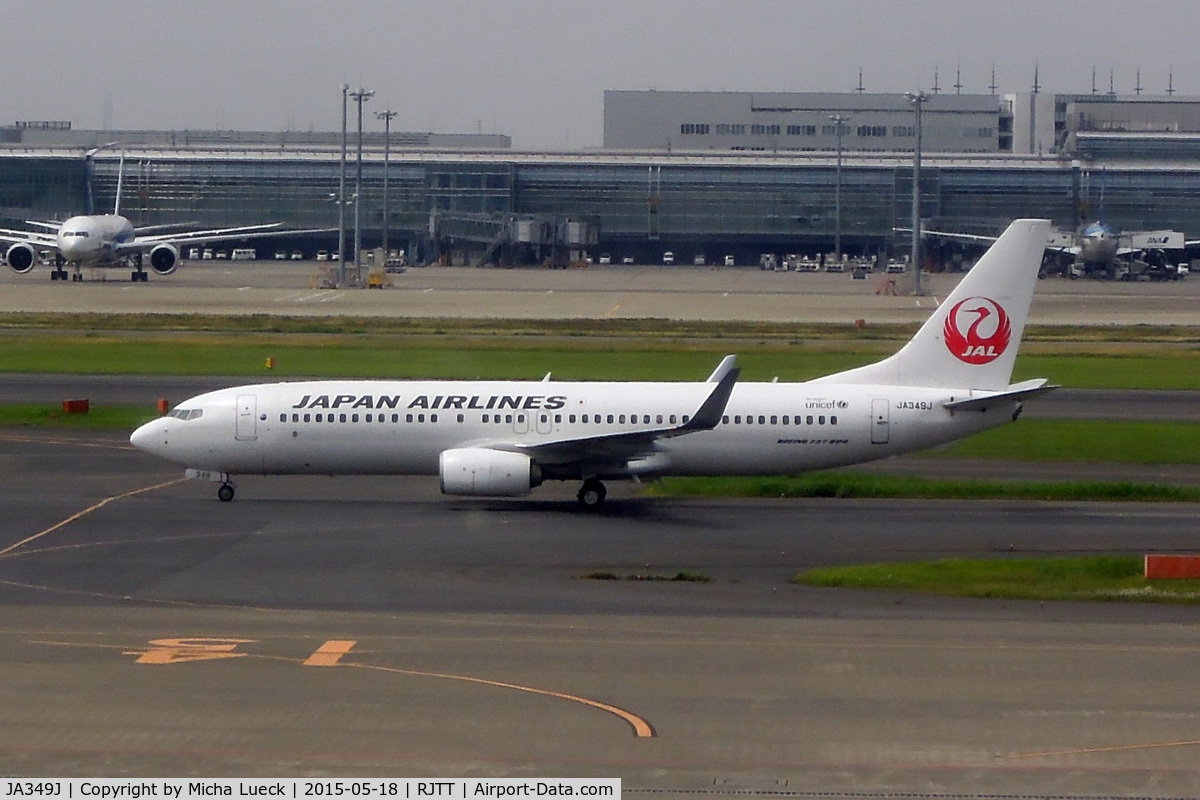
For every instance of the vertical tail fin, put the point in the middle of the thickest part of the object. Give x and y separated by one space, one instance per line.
971 341
120 176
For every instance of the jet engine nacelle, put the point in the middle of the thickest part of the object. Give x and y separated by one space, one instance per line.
480 472
21 257
164 259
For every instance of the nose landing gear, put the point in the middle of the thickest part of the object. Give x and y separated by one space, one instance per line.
225 492
591 495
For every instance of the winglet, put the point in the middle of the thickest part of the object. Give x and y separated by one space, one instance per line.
727 363
708 416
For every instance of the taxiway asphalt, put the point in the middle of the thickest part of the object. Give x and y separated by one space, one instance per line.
369 626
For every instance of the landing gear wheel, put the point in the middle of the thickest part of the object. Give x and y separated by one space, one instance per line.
591 495
225 493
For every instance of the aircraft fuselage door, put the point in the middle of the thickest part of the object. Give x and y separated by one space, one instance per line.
544 425
880 420
247 418
521 422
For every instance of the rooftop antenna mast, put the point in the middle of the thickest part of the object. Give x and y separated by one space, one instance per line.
1171 81
936 88
958 79
1111 90
1093 79
1138 88
992 87
860 88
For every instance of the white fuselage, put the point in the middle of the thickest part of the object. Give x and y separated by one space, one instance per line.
388 427
501 439
93 239
1098 244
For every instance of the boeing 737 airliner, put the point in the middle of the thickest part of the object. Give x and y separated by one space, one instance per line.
503 438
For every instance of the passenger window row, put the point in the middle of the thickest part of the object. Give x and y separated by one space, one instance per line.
593 419
357 417
786 419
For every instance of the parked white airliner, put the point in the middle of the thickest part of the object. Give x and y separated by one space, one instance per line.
110 240
503 438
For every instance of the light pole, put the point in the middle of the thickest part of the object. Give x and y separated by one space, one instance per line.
360 95
342 197
838 121
387 117
918 100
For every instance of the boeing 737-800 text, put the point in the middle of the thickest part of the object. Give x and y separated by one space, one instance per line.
504 438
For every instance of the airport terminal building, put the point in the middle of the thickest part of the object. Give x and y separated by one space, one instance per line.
698 174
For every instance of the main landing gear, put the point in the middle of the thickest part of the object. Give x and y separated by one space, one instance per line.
591 495
225 492
59 273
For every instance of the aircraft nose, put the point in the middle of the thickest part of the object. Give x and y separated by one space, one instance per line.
150 438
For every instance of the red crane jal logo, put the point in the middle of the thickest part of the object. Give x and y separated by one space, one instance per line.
977 330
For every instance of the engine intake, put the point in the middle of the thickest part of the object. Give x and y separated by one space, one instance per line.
164 259
21 258
479 472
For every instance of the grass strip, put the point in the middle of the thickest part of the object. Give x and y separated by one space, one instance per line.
1090 578
590 355
1120 335
855 485
97 418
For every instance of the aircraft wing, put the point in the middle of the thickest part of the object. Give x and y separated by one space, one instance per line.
1058 241
952 235
144 243
212 235
35 238
622 448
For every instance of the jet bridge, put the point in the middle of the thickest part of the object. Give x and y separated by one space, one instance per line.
509 239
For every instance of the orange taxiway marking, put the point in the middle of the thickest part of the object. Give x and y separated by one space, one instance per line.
328 654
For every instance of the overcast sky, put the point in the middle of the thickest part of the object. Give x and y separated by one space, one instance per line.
537 69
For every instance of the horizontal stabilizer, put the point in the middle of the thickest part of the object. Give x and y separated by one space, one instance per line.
1014 393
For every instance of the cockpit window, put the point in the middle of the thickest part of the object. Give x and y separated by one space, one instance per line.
186 414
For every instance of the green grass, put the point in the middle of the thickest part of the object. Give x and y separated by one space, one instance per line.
521 350
98 417
1106 578
867 485
392 357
